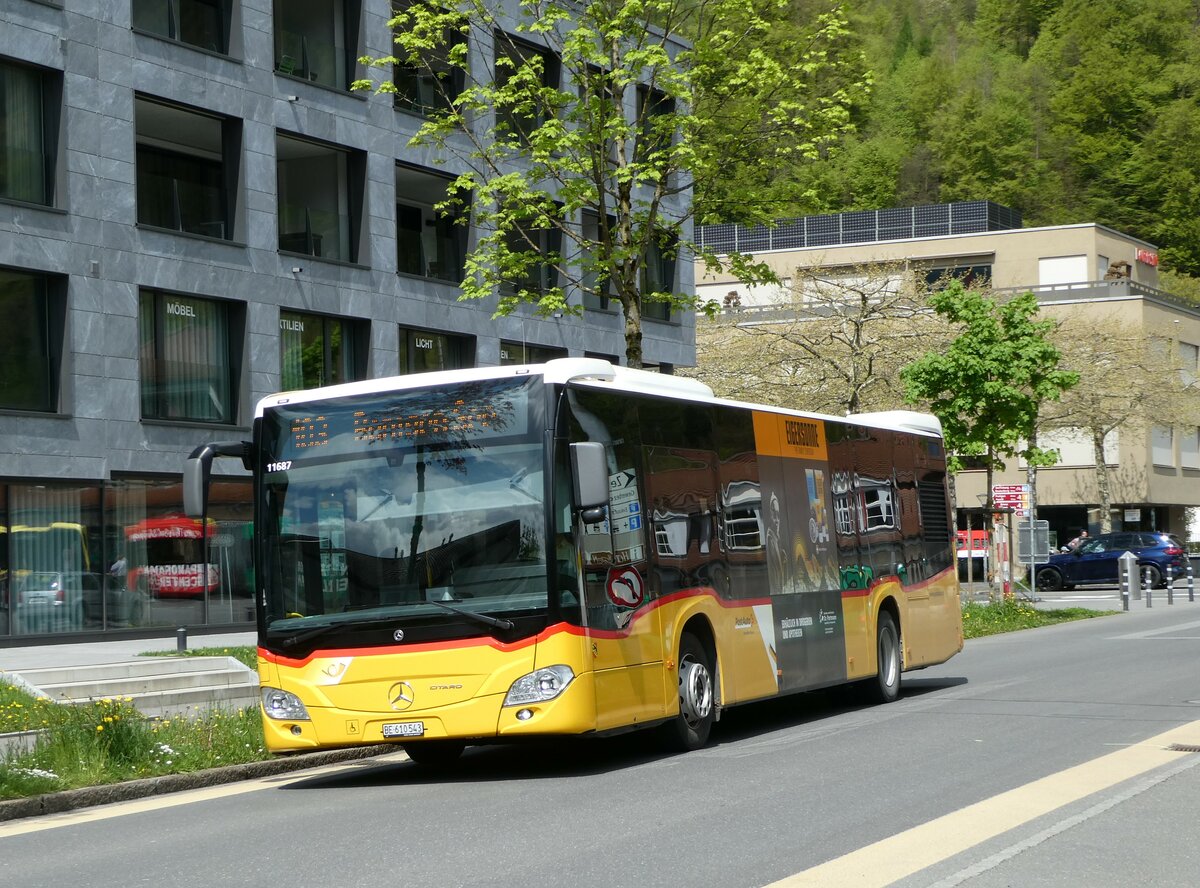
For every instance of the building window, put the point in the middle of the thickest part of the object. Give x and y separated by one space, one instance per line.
1189 362
200 23
423 350
655 130
29 101
1162 445
186 367
317 350
524 353
540 274
317 40
186 167
511 56
320 198
596 286
428 243
658 276
937 278
433 83
30 340
1189 448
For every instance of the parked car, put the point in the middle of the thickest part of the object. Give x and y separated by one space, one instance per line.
1097 560
64 601
47 601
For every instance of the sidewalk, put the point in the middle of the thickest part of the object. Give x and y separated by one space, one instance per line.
90 653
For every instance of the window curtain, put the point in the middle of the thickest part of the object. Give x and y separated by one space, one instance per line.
22 147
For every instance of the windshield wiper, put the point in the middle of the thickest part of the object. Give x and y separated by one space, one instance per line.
472 615
317 631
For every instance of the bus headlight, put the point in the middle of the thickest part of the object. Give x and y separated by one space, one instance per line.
283 705
540 686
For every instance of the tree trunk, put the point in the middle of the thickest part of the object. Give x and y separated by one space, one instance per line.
1102 485
633 332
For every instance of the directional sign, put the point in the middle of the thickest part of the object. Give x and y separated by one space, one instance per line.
1011 496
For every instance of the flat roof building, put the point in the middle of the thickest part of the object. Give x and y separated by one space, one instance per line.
1074 270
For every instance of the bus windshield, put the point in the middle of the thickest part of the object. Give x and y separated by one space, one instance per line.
408 508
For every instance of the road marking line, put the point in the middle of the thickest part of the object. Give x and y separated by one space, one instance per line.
913 850
186 797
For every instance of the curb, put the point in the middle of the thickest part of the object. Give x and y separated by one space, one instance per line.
86 797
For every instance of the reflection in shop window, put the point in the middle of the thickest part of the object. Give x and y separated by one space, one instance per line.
121 555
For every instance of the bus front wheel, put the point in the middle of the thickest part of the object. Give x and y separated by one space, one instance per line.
697 711
885 687
435 753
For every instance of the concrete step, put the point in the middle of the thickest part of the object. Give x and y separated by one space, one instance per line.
157 686
56 675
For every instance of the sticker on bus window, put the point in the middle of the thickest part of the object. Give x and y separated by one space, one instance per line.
624 587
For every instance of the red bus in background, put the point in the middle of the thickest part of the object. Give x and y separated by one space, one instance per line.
166 557
978 547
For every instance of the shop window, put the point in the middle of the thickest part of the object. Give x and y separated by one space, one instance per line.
317 40
31 340
318 350
200 23
320 198
187 366
186 168
30 102
424 350
524 353
428 243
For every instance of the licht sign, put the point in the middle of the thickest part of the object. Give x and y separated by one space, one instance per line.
1150 257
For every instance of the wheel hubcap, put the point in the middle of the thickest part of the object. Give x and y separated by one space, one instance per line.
695 692
888 658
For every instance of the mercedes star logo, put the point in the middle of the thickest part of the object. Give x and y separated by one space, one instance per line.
398 635
400 696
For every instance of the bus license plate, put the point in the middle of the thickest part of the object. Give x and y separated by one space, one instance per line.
404 729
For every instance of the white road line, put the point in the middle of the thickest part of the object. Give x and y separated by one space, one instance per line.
913 850
187 797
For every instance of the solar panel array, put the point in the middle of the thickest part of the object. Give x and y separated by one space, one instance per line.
861 226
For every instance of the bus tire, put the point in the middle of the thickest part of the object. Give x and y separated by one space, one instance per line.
435 753
697 698
885 687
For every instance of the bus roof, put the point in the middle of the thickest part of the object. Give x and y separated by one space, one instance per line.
591 372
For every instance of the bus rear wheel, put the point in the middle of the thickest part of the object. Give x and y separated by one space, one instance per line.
435 753
885 687
697 698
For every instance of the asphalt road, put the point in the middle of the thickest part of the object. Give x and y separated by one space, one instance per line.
1037 758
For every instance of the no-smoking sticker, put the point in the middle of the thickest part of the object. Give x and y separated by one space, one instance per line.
625 587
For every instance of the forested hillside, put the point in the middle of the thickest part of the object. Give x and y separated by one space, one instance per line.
1067 110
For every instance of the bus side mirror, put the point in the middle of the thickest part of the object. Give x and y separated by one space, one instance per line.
198 469
589 470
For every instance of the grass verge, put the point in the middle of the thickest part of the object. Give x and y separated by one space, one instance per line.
1014 614
245 653
108 741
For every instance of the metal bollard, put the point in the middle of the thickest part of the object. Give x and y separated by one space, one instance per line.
181 640
1149 587
1191 585
1124 574
1170 585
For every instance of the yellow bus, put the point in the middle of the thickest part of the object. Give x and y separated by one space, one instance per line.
484 555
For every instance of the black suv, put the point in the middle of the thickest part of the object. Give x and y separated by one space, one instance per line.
1097 560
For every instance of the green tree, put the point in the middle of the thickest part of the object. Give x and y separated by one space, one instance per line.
589 136
989 386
